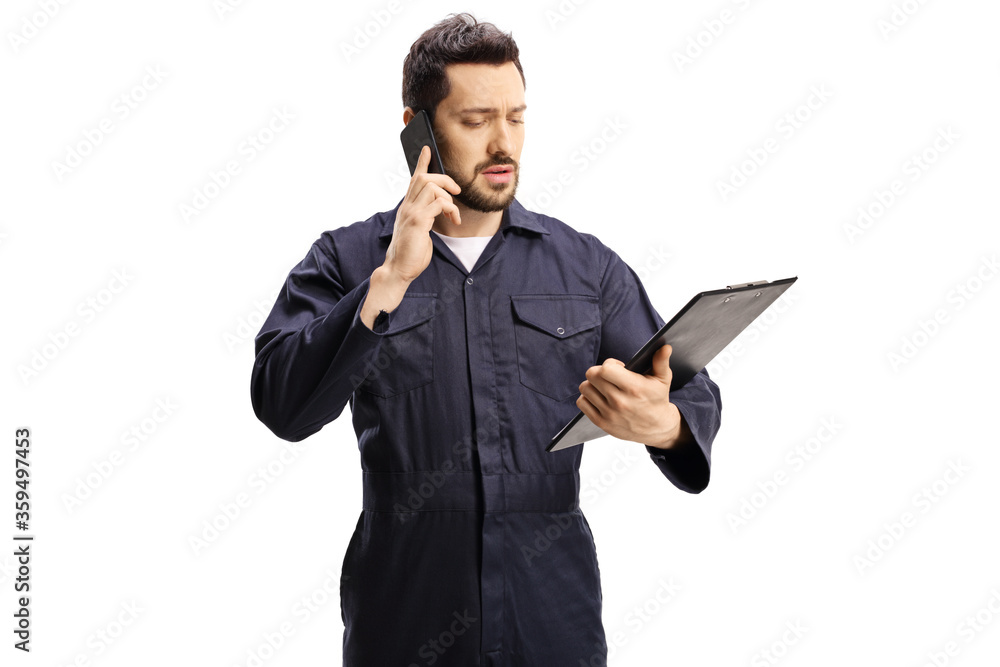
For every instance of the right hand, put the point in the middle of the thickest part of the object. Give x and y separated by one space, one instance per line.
411 248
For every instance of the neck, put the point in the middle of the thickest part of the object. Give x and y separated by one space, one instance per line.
474 223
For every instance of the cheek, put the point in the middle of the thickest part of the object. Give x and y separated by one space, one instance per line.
458 157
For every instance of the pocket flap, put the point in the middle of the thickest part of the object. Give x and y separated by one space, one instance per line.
558 315
414 309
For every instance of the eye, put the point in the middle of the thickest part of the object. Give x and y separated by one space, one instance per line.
519 121
473 124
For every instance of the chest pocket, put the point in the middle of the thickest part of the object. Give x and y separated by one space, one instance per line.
557 339
406 357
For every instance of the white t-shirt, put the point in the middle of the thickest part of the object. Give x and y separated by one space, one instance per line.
466 248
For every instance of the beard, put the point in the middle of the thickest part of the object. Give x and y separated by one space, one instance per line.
486 197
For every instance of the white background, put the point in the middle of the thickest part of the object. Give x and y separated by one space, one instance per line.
180 328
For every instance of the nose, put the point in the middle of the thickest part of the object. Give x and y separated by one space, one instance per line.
501 140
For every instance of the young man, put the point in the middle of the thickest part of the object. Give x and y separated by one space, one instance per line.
464 331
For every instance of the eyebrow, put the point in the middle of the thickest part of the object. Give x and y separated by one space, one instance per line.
517 109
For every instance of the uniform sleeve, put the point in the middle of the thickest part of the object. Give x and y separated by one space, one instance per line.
628 321
313 350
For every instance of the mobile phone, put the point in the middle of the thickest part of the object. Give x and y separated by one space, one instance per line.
417 134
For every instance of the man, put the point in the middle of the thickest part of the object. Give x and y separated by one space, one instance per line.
464 331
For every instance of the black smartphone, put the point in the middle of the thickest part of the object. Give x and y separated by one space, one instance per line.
417 134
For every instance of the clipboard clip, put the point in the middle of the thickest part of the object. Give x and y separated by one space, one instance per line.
753 284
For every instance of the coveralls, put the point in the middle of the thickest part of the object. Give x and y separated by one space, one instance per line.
470 548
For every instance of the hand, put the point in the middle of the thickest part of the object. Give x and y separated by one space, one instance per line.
632 406
427 196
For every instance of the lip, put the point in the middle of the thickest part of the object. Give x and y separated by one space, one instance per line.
498 174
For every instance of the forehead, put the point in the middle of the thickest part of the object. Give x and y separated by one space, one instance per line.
480 85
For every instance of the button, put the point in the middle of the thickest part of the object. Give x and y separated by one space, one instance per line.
469 280
560 330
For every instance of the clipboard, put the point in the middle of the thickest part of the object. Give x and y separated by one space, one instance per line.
698 333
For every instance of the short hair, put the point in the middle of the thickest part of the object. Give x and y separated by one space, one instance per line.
457 39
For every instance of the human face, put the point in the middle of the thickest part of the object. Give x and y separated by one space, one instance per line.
479 127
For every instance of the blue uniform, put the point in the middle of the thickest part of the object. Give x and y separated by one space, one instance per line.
470 548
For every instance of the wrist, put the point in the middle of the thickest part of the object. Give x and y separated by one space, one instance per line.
678 435
388 278
385 292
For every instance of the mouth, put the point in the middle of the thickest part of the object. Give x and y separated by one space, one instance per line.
499 174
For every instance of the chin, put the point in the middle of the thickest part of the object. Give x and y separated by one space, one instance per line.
486 199
489 203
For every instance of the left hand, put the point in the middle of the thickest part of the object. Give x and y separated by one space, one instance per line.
632 406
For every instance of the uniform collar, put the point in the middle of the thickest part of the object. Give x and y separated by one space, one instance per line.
514 215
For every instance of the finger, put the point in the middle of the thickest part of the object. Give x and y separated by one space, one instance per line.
429 193
445 181
451 210
613 375
661 363
433 201
420 168
423 163
448 206
438 206
412 190
423 160
596 398
592 413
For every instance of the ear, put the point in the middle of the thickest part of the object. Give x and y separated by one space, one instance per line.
408 115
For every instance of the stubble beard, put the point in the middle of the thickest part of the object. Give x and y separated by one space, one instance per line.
488 197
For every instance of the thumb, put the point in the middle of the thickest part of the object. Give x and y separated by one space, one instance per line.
661 363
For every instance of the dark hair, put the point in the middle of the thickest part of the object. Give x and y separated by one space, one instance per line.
457 39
